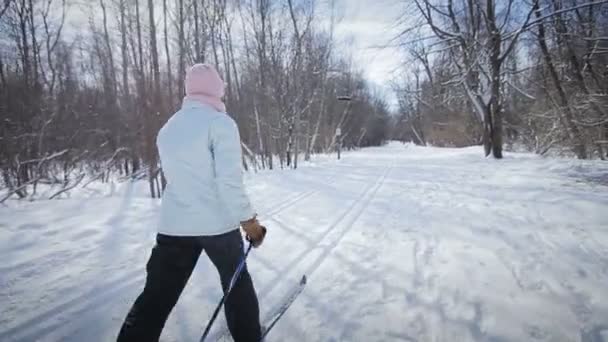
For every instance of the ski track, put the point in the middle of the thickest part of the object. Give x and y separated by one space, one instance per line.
340 226
299 258
46 322
398 243
291 268
38 326
293 200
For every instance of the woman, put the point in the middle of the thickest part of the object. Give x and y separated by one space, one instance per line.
202 207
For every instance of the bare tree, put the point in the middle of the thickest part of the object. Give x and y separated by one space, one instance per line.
474 49
86 106
568 116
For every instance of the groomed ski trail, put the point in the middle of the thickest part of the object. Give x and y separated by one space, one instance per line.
399 243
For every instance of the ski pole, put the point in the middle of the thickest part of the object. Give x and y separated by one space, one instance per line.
235 276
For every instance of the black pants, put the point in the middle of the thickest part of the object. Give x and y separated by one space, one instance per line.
170 265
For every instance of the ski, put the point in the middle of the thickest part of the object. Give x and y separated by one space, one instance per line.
276 313
280 310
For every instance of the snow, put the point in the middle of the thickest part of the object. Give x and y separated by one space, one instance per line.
399 243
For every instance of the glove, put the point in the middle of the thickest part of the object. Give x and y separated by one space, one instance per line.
254 231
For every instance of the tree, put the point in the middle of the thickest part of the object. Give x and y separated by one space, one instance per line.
479 45
87 106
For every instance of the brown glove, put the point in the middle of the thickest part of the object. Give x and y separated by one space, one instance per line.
255 231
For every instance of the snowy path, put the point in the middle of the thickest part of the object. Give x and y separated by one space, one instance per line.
400 243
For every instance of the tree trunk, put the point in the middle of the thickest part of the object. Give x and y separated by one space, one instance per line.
494 107
259 134
212 32
226 60
315 134
143 107
197 33
168 56
232 61
108 47
289 143
159 110
25 46
182 50
158 105
125 54
35 51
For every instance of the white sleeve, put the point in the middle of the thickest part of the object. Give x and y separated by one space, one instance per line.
226 151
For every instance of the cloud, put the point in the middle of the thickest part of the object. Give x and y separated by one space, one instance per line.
365 31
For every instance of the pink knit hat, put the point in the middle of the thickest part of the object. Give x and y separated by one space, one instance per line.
204 84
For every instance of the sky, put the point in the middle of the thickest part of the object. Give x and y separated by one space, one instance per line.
366 28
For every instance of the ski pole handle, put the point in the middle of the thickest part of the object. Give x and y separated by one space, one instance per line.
248 238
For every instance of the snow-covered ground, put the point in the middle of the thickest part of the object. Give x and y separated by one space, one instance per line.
400 243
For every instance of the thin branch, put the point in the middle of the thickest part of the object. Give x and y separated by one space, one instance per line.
518 32
521 91
7 4
550 15
507 15
69 187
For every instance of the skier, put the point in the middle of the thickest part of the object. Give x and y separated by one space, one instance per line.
202 206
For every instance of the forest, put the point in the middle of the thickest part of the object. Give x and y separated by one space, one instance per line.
86 85
506 73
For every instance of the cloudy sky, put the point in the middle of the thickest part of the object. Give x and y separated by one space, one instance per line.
364 29
367 26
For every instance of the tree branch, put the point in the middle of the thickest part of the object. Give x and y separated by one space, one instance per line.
550 15
7 4
518 32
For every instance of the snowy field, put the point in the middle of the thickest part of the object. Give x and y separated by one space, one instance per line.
400 243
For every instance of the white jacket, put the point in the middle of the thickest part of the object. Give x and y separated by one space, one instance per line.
200 152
